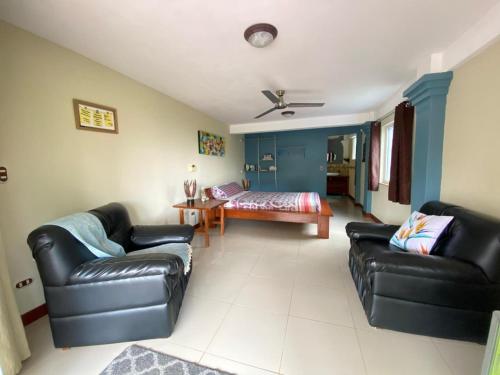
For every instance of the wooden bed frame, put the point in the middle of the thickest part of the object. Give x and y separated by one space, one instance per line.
321 218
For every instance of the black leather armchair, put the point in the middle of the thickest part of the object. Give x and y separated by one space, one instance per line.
103 300
450 294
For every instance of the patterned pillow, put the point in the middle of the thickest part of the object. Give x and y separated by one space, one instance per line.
231 189
218 193
420 232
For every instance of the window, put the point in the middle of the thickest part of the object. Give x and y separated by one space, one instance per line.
386 153
353 148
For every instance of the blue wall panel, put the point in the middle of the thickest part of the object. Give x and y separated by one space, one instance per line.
301 158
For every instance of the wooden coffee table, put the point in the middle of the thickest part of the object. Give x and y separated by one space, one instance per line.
206 215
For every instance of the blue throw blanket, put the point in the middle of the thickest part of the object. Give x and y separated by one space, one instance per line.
87 229
182 250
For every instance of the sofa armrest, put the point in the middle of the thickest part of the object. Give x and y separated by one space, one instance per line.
110 269
426 266
370 231
143 236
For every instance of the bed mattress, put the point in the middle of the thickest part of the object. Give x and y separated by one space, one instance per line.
274 201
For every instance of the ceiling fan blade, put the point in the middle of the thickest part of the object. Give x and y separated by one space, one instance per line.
266 112
292 105
271 96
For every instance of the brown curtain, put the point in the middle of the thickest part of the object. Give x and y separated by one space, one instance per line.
374 168
400 183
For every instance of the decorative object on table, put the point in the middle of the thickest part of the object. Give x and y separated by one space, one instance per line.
267 157
272 168
491 361
137 359
246 184
95 117
210 144
190 190
252 168
203 194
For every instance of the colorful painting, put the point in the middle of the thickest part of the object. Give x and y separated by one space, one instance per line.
210 144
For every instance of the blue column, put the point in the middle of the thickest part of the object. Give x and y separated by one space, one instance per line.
428 95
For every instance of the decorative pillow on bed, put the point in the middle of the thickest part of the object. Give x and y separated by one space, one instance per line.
226 191
420 232
218 193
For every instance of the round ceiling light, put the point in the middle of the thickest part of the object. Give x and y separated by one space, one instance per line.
287 113
261 34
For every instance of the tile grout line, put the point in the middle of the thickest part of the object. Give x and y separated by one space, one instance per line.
442 356
231 305
244 364
356 333
288 315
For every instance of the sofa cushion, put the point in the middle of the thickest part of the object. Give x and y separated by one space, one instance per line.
424 279
420 232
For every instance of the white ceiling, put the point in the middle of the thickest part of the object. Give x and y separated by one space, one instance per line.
351 54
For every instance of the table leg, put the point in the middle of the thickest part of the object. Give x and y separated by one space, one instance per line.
222 220
207 224
181 215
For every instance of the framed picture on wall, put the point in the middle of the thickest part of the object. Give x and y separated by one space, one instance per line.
95 117
211 144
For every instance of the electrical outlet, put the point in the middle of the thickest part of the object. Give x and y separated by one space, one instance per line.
3 174
22 284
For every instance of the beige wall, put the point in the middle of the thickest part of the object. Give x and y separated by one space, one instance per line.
471 162
385 210
55 169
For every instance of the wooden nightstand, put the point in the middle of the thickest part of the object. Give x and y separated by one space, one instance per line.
206 215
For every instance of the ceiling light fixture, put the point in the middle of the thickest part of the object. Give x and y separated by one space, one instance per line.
260 35
287 113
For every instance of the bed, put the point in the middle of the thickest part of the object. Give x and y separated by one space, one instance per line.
300 207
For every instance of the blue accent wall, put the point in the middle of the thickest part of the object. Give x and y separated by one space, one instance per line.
301 160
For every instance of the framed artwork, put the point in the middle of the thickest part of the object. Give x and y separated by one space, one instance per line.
95 117
210 144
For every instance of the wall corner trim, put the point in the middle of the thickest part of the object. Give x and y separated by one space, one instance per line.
431 84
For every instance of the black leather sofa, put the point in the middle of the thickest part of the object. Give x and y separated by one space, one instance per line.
103 300
450 294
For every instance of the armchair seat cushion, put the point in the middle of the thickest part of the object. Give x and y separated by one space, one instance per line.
144 236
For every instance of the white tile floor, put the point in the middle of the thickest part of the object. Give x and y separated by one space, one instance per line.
271 298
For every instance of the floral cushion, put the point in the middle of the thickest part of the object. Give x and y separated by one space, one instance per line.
420 232
218 193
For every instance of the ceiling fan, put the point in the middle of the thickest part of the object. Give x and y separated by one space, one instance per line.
279 102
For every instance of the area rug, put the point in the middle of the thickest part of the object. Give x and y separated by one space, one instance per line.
137 360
